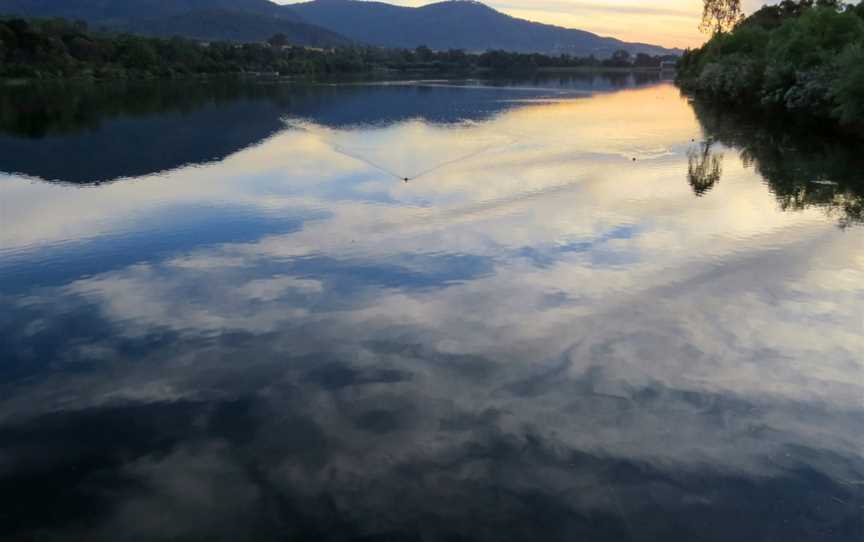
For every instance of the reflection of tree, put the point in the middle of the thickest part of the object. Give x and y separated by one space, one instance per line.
704 168
92 133
803 168
51 109
40 110
89 133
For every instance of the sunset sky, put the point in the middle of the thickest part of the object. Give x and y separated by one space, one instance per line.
673 23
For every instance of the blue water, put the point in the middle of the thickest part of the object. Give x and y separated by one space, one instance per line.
596 310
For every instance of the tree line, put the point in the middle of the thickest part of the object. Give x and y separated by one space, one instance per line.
801 58
58 48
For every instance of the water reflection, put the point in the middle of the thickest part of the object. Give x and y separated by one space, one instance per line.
804 169
704 168
547 340
138 129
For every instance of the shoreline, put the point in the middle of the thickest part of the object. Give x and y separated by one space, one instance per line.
382 74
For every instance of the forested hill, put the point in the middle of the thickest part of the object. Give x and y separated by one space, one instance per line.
122 10
466 25
226 25
57 48
456 24
800 59
216 20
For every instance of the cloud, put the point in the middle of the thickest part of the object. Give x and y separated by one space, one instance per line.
568 7
672 23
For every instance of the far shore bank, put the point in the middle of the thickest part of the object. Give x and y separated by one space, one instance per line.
382 75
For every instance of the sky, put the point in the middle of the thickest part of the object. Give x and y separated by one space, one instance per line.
671 23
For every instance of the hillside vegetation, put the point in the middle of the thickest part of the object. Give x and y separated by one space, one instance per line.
803 59
57 48
217 20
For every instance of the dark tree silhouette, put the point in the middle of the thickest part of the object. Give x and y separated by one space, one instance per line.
278 40
718 16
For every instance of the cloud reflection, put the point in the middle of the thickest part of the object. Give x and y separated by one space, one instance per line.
547 338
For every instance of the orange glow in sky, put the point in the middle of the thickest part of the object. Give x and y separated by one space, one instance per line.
671 23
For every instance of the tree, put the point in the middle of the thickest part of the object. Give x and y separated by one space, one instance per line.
621 56
848 88
719 16
139 54
82 48
646 61
424 53
278 40
7 39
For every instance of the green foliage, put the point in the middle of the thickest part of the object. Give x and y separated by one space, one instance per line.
772 16
814 38
51 48
803 57
848 88
735 77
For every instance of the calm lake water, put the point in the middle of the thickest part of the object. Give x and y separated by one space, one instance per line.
594 311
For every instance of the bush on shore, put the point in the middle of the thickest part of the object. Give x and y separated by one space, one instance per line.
799 57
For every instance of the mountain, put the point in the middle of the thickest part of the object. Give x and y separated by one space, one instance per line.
225 25
123 10
232 20
453 24
457 24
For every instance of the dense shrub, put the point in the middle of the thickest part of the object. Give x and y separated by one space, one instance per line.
735 77
803 57
848 87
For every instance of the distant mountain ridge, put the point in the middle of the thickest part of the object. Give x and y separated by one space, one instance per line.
124 10
237 26
230 20
457 24
451 24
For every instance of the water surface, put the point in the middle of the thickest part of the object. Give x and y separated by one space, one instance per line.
593 311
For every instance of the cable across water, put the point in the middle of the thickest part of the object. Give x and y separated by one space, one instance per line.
342 150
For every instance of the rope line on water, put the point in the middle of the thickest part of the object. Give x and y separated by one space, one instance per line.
382 169
463 158
341 150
